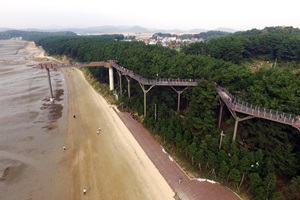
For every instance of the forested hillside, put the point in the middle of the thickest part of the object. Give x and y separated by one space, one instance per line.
31 35
204 35
272 43
264 162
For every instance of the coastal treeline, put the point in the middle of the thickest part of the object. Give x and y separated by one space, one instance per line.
32 35
204 35
280 44
264 161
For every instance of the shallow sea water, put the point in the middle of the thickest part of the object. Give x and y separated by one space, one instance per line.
32 128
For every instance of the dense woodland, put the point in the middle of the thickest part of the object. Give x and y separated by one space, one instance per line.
32 35
204 35
273 43
264 162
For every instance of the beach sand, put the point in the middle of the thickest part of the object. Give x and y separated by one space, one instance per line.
111 164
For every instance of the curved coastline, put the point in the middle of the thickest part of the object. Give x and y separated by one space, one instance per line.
111 165
163 184
114 164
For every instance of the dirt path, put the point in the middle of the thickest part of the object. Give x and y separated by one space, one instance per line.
187 189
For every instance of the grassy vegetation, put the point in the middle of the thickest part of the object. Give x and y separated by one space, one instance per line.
101 88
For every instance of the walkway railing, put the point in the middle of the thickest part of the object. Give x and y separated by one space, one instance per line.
250 109
158 81
232 102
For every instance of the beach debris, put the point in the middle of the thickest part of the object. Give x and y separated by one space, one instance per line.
5 173
176 196
84 191
74 116
64 147
163 150
203 179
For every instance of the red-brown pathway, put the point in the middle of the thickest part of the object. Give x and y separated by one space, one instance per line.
188 189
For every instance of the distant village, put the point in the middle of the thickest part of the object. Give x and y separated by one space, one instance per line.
173 40
164 39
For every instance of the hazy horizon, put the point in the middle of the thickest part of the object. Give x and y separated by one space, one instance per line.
210 15
123 27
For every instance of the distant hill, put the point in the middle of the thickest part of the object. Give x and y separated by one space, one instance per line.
198 30
4 29
229 30
107 29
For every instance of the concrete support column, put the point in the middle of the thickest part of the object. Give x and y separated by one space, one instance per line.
237 120
178 98
235 129
50 86
145 103
145 96
111 78
128 86
120 80
221 112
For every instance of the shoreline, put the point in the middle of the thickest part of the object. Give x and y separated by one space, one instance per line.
110 165
152 158
131 171
132 177
31 128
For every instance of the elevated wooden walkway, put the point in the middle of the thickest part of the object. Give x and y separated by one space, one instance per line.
157 82
124 71
234 105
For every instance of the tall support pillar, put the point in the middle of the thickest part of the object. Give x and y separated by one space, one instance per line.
237 120
128 86
50 86
145 96
178 98
145 103
111 78
221 112
120 80
235 129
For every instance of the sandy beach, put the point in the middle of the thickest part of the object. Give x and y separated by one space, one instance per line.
67 153
111 164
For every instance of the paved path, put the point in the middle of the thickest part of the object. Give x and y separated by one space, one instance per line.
188 189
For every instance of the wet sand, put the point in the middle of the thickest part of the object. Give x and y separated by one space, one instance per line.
30 126
110 165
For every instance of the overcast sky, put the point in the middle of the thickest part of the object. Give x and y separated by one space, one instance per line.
159 14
